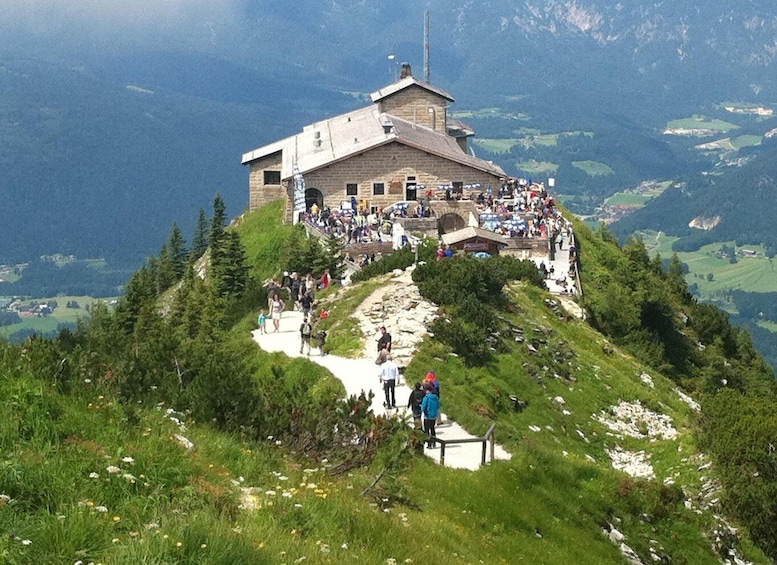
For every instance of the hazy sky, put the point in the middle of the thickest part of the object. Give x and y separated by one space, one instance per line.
132 21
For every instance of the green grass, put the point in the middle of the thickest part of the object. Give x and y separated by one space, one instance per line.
700 122
61 315
264 246
746 141
753 274
771 326
536 167
496 145
628 199
345 337
593 168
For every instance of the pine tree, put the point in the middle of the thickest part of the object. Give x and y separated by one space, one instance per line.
200 239
176 247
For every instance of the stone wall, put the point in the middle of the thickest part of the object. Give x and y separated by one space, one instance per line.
391 165
418 106
260 193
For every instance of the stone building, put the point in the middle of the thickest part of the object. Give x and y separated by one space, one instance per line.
397 149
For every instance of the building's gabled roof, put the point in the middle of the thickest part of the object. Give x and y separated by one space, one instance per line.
329 141
406 83
471 232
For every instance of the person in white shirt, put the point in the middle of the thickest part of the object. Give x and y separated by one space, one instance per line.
389 374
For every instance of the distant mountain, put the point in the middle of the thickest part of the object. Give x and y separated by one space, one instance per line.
115 122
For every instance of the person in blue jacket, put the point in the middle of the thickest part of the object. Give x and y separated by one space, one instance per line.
430 407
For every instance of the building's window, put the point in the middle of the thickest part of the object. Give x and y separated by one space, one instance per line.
272 177
378 188
351 189
410 179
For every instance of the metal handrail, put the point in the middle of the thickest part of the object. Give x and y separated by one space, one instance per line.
488 437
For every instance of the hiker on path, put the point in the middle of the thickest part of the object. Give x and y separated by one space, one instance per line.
414 403
305 331
306 303
430 408
431 379
262 322
276 309
384 342
389 374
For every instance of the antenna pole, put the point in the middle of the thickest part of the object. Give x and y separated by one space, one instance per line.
426 45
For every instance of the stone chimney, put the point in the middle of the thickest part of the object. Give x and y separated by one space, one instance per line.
406 71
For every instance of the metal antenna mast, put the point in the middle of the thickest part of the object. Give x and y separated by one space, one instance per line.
426 45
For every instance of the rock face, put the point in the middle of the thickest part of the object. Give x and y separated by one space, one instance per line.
400 308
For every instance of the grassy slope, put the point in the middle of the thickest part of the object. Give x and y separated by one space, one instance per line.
544 506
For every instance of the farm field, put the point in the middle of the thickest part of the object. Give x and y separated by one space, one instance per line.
593 168
700 122
753 274
61 315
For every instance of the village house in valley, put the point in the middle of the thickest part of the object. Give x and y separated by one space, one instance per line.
401 148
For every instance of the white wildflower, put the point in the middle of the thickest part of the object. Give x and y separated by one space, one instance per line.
26 542
113 469
94 475
128 459
100 508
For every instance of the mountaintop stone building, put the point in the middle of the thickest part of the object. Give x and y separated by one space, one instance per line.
401 148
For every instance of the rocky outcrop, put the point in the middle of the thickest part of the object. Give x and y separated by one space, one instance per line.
399 307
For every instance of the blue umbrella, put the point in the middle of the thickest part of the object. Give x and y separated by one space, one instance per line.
482 255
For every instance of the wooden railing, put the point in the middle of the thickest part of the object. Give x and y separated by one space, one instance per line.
488 438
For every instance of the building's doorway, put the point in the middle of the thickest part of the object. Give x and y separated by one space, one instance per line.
450 222
411 191
313 196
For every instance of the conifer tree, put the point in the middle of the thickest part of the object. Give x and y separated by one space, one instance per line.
176 248
200 239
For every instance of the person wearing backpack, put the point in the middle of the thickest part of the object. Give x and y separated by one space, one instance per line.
414 403
305 331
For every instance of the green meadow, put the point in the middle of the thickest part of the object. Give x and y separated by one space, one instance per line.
593 168
700 122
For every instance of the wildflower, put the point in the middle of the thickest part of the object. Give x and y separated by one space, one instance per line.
152 526
115 540
286 494
391 561
26 542
94 475
297 505
87 381
278 442
113 469
134 534
270 492
325 548
4 499
282 478
131 478
344 546
117 518
101 509
165 536
203 546
294 532
178 544
129 460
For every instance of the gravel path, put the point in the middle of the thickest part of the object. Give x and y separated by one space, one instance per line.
359 375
